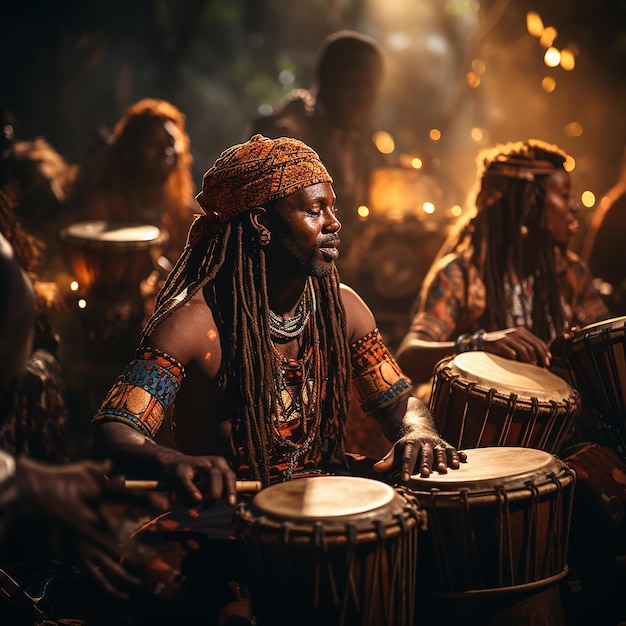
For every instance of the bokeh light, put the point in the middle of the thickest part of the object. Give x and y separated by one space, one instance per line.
552 57
588 198
384 142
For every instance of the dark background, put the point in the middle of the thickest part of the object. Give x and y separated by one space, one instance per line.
70 67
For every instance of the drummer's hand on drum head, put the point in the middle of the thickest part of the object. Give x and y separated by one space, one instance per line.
518 344
425 455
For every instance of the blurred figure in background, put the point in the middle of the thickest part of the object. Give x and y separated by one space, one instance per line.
602 248
37 425
145 176
335 118
38 182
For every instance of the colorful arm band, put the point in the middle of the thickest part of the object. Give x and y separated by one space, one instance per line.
378 380
141 396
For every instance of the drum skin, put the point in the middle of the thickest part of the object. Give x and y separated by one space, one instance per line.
334 550
480 399
499 523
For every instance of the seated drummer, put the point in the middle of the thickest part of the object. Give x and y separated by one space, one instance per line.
254 304
505 281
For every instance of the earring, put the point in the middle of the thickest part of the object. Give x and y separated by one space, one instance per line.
264 236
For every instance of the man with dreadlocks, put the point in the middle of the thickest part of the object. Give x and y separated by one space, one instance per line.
505 281
255 304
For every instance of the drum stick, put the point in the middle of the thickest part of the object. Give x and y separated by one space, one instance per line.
155 485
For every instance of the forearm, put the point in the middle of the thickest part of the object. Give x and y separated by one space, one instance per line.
133 454
417 358
408 416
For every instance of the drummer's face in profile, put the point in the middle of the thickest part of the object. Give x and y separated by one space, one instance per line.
561 211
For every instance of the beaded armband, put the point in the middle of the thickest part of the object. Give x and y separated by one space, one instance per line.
378 380
141 396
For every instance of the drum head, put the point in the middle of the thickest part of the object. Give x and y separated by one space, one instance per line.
505 375
334 498
102 233
490 467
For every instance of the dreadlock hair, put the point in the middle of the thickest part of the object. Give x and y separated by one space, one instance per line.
229 265
509 195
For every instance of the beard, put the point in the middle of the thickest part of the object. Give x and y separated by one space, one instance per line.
304 262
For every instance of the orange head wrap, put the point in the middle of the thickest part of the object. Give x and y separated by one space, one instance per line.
258 171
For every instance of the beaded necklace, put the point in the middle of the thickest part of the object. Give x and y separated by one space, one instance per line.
298 390
284 330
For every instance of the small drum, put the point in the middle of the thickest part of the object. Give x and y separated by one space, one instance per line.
110 260
331 550
498 523
480 399
596 356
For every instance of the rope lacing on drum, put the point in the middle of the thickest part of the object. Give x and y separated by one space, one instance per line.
531 423
511 406
531 544
490 394
504 537
470 388
471 545
351 586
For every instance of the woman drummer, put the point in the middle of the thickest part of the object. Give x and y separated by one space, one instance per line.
505 281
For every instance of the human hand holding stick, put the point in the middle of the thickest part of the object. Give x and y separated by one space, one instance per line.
156 485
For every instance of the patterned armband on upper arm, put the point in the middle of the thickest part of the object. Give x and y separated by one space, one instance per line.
378 379
141 396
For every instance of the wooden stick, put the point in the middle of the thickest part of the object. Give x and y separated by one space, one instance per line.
155 485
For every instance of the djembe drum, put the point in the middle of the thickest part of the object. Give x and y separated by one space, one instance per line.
109 261
596 357
497 527
480 399
331 550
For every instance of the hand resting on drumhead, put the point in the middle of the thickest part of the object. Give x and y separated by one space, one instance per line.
519 344
419 447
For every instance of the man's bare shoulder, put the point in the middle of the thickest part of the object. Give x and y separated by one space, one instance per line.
189 333
359 319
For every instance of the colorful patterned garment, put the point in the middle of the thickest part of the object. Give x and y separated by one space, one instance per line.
378 380
143 393
148 386
454 298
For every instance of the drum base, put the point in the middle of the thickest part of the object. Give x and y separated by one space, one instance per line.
502 608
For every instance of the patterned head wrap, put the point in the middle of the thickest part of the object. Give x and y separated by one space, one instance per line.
256 172
514 161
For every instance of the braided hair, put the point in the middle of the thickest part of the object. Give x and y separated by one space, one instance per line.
510 200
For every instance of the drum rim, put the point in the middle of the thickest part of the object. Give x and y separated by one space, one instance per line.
453 364
597 329
67 236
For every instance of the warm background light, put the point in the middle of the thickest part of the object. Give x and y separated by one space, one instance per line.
384 142
534 24
552 57
588 198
